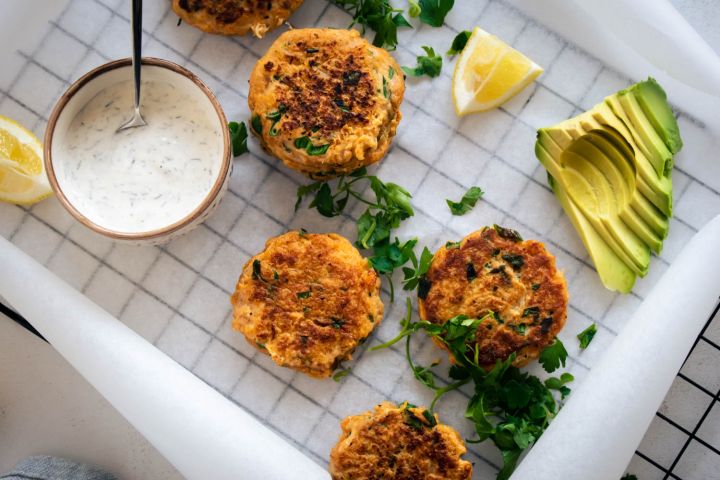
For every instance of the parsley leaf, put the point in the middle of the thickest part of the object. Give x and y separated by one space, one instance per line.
587 335
419 269
377 15
459 42
433 12
467 202
340 374
383 214
553 356
429 64
238 138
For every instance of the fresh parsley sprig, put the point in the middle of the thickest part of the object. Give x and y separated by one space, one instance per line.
377 15
467 202
382 215
429 64
509 407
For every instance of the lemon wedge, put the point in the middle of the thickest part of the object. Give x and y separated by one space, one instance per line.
22 173
488 73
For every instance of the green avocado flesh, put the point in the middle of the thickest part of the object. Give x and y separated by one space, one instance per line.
610 170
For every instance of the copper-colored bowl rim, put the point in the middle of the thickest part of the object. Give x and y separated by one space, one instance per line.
151 234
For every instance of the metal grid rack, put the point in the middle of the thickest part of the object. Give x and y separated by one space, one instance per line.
176 295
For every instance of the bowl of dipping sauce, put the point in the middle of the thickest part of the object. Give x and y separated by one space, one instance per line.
146 184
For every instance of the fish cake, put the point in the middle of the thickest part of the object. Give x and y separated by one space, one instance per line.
325 101
494 270
235 17
398 442
308 300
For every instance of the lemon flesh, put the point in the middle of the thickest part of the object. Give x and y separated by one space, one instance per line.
488 73
22 173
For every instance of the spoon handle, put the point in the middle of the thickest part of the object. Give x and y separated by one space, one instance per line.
136 19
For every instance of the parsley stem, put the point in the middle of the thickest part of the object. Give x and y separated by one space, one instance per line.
446 389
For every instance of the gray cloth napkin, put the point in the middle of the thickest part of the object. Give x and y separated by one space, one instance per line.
43 467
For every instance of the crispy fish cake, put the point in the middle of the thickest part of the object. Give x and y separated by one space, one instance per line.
325 102
307 301
494 270
235 17
398 442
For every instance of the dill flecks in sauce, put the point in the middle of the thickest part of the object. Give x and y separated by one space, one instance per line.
146 178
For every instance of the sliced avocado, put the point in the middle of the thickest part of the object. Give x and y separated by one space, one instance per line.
652 99
610 169
657 189
614 274
620 175
588 188
626 107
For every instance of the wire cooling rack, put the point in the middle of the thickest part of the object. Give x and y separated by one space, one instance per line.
176 296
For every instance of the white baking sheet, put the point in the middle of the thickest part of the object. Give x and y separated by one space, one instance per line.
177 296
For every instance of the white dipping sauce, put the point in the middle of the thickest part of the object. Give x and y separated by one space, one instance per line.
145 178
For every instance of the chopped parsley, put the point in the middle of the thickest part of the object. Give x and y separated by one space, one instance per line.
553 356
275 117
429 64
305 294
508 233
337 323
531 312
377 15
467 202
470 272
587 335
535 286
459 42
433 12
340 374
257 270
256 123
508 406
452 245
386 92
515 261
304 143
238 138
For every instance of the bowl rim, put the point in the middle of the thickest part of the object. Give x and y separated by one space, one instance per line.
150 234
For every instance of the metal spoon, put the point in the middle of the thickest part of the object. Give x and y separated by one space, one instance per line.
136 25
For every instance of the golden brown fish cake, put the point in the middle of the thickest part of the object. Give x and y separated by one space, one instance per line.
235 17
325 102
491 270
398 442
308 300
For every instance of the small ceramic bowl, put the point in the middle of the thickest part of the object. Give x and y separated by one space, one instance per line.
89 85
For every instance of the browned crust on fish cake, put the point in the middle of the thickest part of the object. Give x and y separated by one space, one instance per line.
333 87
315 300
382 445
235 17
501 288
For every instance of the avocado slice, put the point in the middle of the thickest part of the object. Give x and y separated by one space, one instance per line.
614 274
603 219
627 108
621 176
588 187
653 101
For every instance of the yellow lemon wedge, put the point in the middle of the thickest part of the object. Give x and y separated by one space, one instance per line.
22 173
488 73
